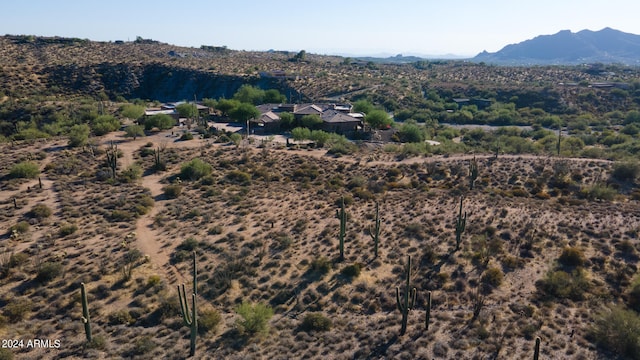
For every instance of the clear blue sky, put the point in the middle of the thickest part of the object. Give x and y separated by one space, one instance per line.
358 27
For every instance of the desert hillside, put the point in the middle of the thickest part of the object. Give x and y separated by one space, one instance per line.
550 246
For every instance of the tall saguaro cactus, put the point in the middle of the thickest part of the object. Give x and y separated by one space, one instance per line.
190 318
408 298
558 145
473 172
86 320
428 310
112 159
536 350
342 215
461 223
375 232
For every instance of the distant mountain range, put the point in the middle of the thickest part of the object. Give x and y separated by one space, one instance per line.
568 48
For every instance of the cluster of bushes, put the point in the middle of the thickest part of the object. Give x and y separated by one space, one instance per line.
568 279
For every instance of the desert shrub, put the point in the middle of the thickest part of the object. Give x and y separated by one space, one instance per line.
316 322
238 177
21 227
352 270
147 151
6 354
207 180
342 148
17 260
633 299
40 211
79 135
17 309
363 193
97 342
189 244
305 172
67 229
25 169
571 256
493 277
121 317
215 230
104 124
132 256
144 204
187 135
618 330
153 280
131 173
120 216
195 169
142 345
321 265
598 192
626 171
562 284
172 191
254 318
49 270
208 320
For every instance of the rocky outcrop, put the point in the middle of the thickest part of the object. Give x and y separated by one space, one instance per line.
153 81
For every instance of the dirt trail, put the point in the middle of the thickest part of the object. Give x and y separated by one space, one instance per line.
147 240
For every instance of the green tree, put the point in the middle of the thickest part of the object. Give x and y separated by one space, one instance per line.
187 110
249 94
312 121
131 111
363 106
25 169
79 135
195 169
300 56
287 120
235 138
410 132
378 119
632 116
104 124
227 105
160 121
618 330
273 96
300 133
210 102
134 131
319 137
244 112
254 318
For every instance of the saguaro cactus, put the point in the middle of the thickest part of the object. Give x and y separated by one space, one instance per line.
408 298
473 172
190 318
86 320
461 223
342 215
558 145
536 350
375 232
427 306
112 159
158 164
